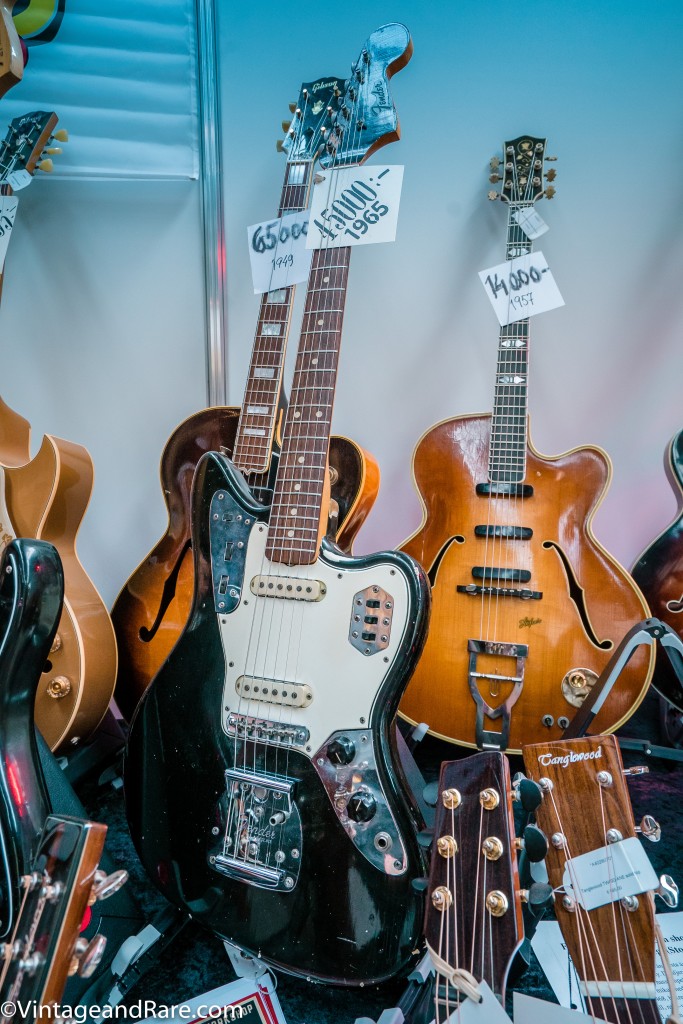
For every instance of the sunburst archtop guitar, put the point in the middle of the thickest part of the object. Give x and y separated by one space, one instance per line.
527 605
154 604
283 821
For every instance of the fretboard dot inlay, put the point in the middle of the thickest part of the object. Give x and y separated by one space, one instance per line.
290 533
300 459
318 414
292 511
296 414
297 487
320 322
314 361
326 280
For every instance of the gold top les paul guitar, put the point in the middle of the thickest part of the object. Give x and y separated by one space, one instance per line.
527 605
45 498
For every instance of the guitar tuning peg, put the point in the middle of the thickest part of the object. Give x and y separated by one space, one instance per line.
551 158
54 150
286 125
534 843
637 769
492 194
430 794
538 895
549 192
292 108
650 829
280 146
61 135
527 792
106 885
420 884
46 165
668 890
551 174
87 956
494 178
494 163
425 838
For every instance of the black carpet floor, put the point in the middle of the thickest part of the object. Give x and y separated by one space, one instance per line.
196 961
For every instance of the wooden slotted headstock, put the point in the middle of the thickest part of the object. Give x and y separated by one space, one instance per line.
366 119
612 946
473 920
45 947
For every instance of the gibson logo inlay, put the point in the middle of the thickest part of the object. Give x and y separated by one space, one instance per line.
528 622
566 759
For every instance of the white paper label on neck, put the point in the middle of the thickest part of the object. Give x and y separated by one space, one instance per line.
19 179
521 287
277 252
530 221
8 211
355 206
609 874
528 1010
488 1011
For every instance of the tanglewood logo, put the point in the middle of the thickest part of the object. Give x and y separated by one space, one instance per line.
565 759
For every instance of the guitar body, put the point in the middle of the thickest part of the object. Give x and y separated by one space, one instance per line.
659 572
46 500
154 605
319 895
15 434
587 600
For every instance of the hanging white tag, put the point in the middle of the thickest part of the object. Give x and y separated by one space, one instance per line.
19 179
488 1011
521 287
277 252
355 206
528 1010
609 874
530 221
672 930
551 952
8 211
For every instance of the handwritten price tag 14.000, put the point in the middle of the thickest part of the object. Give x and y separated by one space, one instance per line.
277 252
521 288
355 206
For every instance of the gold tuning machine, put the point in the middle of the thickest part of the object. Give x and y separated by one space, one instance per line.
494 163
87 956
551 158
494 178
280 146
551 174
54 150
292 108
106 885
286 125
492 194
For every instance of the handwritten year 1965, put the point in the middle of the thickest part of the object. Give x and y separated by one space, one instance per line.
353 211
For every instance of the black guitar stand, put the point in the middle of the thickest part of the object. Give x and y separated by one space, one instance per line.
100 755
645 633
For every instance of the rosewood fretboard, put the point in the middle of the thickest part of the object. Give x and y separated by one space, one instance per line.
293 534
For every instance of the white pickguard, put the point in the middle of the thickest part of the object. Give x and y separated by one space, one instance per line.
308 642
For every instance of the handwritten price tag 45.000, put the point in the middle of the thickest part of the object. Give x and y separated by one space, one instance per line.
355 206
521 288
277 252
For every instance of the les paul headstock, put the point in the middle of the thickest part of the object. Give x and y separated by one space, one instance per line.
45 947
473 922
586 808
26 148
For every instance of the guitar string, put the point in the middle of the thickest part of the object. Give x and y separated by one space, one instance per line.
585 924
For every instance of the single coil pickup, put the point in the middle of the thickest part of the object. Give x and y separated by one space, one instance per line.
274 691
500 489
521 592
289 588
248 728
507 532
235 867
485 572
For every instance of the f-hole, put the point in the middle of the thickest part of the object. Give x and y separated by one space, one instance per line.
457 539
578 596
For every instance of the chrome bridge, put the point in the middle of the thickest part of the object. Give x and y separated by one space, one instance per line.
247 727
262 841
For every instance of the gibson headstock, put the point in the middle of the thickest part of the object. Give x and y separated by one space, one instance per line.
366 118
521 172
25 147
311 121
586 807
45 947
473 919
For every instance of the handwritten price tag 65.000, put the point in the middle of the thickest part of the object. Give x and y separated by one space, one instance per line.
277 251
521 287
355 206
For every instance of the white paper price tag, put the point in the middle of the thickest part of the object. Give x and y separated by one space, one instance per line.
531 222
19 179
488 1011
608 874
527 1010
672 930
521 287
355 206
551 952
8 211
277 251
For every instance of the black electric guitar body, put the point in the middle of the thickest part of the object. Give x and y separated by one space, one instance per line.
325 910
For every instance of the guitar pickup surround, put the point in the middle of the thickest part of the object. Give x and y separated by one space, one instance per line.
274 691
288 588
230 529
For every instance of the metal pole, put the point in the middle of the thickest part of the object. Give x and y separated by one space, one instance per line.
211 179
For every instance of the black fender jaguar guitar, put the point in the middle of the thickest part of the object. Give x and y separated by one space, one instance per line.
263 788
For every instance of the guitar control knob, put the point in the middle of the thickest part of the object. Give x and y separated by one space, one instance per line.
362 806
58 687
342 750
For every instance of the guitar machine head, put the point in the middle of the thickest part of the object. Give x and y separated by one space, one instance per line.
522 172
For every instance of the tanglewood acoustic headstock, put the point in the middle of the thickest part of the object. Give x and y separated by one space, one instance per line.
587 807
473 920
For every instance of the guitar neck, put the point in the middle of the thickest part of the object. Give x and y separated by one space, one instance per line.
258 416
293 535
508 444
